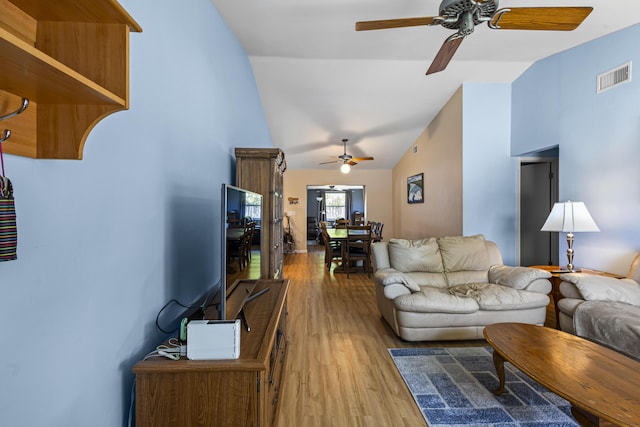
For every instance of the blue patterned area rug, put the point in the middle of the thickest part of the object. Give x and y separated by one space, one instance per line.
453 387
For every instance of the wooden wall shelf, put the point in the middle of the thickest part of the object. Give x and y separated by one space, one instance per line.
72 62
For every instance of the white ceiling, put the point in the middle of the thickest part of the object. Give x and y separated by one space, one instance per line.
321 81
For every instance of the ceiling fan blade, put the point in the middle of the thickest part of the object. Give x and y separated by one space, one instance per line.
539 18
361 159
445 54
393 23
351 163
326 163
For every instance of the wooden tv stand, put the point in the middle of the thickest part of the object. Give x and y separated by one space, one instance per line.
236 392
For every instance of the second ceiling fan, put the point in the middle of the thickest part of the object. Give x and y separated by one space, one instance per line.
347 160
464 15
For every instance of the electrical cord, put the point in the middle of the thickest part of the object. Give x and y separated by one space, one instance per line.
206 304
160 328
132 404
203 306
171 350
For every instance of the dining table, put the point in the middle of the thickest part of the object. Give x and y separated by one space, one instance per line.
340 235
235 233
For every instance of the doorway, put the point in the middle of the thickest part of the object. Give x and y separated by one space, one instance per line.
538 193
329 202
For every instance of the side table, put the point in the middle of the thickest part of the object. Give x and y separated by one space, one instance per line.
557 271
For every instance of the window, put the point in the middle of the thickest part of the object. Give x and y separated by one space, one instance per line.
253 206
335 205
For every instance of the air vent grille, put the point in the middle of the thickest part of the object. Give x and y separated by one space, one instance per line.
614 77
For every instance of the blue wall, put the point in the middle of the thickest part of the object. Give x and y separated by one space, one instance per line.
598 136
105 242
488 189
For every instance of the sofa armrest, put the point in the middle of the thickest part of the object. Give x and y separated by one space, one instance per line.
592 287
523 278
390 276
569 290
395 290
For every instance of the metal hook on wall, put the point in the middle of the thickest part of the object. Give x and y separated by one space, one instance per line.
25 104
6 134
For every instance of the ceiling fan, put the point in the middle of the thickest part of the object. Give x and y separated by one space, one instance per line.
347 159
464 15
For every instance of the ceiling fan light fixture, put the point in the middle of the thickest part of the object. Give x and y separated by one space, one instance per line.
345 168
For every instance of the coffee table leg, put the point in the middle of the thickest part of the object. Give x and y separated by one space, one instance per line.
498 361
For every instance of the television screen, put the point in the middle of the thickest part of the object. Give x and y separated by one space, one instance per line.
241 227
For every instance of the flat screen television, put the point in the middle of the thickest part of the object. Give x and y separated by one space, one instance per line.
239 206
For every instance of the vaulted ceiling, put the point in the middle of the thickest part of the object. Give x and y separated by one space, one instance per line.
321 81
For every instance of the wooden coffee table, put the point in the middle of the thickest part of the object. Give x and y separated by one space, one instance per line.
603 386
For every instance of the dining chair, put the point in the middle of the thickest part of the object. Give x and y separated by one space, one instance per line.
357 247
323 229
377 231
332 249
249 230
342 223
358 218
237 249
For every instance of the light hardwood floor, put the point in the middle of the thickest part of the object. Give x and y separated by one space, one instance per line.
338 371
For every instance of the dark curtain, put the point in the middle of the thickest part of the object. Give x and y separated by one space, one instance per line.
321 209
348 204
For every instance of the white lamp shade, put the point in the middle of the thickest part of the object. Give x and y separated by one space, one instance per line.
569 217
345 168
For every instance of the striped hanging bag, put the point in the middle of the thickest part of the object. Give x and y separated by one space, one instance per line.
8 229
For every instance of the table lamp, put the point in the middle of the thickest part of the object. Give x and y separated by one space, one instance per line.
569 217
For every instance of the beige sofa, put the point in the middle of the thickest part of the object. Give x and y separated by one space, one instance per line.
603 309
450 288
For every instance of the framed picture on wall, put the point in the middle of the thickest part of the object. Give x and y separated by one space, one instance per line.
415 188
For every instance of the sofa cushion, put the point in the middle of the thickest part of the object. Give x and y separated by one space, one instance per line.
603 288
464 253
435 300
415 255
433 280
455 278
515 277
490 296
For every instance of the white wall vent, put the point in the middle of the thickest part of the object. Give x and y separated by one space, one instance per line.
615 77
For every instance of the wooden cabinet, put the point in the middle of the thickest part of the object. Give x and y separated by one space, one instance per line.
261 170
243 392
71 60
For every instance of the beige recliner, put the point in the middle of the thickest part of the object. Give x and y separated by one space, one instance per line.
603 309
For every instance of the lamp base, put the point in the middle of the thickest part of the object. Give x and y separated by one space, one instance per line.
570 252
